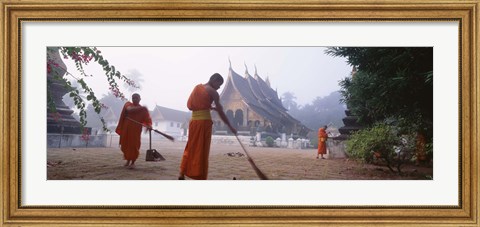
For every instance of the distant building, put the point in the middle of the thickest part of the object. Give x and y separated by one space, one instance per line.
166 120
170 121
253 106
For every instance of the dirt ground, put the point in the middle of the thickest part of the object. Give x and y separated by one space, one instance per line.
226 162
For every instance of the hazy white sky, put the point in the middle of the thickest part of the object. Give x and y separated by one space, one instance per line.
170 73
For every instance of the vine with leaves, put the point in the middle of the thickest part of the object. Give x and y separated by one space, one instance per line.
83 56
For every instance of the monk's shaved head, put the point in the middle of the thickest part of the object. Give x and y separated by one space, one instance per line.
216 78
136 98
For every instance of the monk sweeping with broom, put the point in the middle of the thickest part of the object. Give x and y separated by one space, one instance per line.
130 131
195 156
194 162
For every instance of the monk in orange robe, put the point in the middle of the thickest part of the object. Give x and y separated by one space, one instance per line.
194 162
322 141
130 131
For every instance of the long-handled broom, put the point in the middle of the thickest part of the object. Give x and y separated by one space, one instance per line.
161 133
257 170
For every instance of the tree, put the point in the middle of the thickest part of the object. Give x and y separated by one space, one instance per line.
82 94
391 83
288 101
136 76
321 111
330 108
110 102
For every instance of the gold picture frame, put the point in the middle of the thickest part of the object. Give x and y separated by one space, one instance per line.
14 12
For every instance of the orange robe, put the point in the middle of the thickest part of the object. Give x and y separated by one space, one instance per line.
130 132
195 156
322 141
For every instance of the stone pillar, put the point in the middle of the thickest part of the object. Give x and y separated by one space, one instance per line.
259 139
290 143
284 141
278 142
304 143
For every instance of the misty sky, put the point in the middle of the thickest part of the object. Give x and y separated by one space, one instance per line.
170 73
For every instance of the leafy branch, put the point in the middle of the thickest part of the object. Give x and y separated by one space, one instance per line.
82 56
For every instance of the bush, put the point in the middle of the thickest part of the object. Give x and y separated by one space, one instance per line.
269 141
382 142
429 150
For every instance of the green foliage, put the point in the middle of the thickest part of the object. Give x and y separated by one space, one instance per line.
390 83
381 141
269 141
362 144
83 56
429 150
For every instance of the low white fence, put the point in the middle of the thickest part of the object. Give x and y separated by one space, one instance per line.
251 141
75 140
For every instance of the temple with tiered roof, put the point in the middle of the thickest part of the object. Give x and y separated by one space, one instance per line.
253 106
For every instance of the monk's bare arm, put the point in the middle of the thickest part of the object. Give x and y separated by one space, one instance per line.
134 108
219 108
